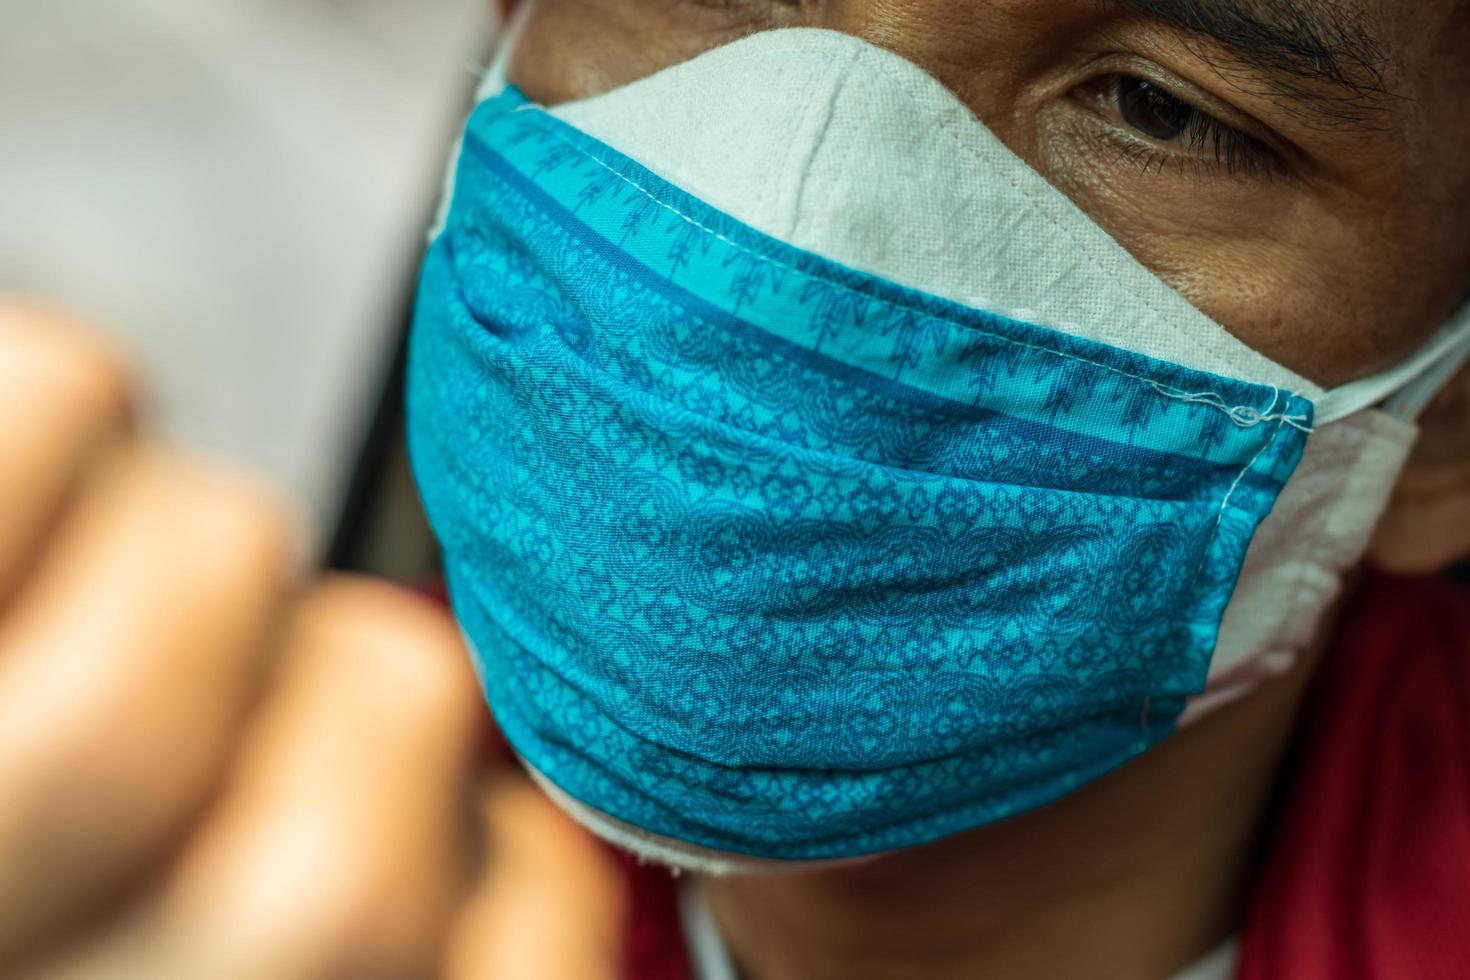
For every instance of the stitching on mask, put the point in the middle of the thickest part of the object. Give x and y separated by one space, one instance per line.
1243 416
1220 516
1214 537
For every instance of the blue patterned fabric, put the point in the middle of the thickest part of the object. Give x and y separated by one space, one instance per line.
772 556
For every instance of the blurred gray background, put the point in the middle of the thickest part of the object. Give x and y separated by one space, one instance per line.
240 188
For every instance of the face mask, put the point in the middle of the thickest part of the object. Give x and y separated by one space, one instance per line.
816 481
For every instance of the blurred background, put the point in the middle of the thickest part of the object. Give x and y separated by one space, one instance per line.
240 189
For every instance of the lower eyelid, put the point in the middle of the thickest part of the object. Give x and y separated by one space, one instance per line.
1105 140
1149 159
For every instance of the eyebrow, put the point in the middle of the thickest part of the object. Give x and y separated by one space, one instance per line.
1310 46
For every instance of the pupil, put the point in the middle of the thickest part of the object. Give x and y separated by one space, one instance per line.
1152 111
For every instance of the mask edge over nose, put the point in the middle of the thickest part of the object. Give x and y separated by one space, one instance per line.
898 146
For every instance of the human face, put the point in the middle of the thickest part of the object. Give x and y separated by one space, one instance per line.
1298 169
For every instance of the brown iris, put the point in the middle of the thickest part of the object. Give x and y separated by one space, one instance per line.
1153 111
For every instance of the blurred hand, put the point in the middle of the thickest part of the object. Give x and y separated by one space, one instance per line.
209 771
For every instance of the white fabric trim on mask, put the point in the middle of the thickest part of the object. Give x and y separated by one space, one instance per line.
674 854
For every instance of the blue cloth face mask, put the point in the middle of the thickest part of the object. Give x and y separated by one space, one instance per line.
762 556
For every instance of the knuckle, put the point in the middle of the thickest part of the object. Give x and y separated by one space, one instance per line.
390 615
391 635
239 525
65 357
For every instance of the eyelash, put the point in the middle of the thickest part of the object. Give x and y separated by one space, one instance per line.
1230 151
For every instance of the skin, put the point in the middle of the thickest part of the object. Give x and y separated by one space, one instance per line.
183 717
1336 263
213 766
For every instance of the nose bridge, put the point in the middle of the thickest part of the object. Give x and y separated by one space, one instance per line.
977 48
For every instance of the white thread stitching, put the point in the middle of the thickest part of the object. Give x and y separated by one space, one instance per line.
1220 515
1243 416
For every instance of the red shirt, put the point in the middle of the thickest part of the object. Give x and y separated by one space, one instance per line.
1368 875
1368 872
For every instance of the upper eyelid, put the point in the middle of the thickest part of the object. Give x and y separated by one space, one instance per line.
1189 80
1259 157
1201 99
1194 106
1112 76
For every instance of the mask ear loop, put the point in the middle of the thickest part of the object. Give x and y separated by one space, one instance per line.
492 84
495 81
1405 390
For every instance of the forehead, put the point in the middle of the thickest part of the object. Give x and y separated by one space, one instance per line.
1430 47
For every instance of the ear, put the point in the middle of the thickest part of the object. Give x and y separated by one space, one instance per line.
1427 526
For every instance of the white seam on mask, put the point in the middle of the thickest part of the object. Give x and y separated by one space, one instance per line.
1204 553
1220 515
1242 415
677 855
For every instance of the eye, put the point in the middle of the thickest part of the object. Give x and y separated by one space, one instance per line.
1151 110
1160 128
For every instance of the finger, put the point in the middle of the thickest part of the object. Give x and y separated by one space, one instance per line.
350 800
337 848
125 670
548 904
63 395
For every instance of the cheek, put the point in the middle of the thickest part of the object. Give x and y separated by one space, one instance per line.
1305 276
1307 301
572 49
